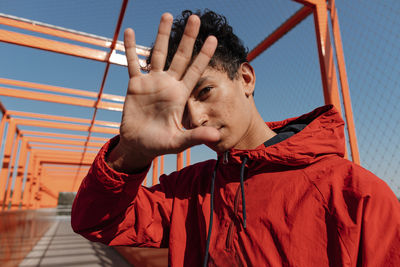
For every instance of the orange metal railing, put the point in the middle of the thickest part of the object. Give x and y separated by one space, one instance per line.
44 161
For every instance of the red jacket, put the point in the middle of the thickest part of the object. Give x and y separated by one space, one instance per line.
306 206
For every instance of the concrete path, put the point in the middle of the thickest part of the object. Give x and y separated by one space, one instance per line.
61 247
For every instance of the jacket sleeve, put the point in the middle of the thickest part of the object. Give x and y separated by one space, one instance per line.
113 208
380 228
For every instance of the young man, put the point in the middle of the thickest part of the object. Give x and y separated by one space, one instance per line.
280 194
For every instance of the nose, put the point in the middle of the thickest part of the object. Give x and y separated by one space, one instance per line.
193 116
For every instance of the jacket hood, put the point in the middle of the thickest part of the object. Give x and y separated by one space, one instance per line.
323 135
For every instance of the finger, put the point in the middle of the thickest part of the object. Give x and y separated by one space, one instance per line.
130 51
199 135
184 52
200 63
160 48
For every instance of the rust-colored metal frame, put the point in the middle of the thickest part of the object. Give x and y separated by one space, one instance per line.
40 161
321 9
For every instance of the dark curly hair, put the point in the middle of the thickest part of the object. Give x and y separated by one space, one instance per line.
230 52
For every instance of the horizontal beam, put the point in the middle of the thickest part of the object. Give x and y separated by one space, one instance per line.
61 147
65 126
58 89
52 30
61 118
63 48
44 140
54 98
52 45
64 136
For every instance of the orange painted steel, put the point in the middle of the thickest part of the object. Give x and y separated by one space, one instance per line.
65 154
8 146
52 161
162 165
59 135
188 157
54 182
292 22
52 45
44 148
34 196
16 198
47 116
54 98
30 181
62 170
112 48
2 126
61 118
61 148
64 33
65 126
179 161
67 160
155 172
58 89
343 82
53 32
27 188
325 52
60 173
10 171
69 156
80 144
328 71
144 183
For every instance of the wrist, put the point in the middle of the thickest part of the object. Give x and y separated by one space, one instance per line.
122 159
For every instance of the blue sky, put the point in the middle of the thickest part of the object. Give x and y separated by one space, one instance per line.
288 76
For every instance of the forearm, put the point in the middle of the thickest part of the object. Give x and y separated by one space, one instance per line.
103 197
123 159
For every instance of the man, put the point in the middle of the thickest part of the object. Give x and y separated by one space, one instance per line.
280 194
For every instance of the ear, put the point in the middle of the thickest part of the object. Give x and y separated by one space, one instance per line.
248 78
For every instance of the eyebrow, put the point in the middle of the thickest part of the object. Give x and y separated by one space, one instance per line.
200 82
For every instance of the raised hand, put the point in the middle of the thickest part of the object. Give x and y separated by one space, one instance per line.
155 102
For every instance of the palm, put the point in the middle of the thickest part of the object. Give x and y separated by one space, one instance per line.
155 102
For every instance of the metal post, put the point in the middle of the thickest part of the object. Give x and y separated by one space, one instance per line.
17 192
179 161
10 172
28 182
8 145
188 157
155 171
351 129
2 126
162 165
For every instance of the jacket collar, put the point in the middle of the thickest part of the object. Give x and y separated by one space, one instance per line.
323 135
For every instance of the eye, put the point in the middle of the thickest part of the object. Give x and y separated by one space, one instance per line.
203 94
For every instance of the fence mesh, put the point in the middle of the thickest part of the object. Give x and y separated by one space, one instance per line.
288 75
371 42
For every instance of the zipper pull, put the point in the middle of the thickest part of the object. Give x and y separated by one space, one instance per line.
225 157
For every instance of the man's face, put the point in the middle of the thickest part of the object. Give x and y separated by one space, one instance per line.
222 103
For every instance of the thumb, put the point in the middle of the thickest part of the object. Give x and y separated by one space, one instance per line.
200 135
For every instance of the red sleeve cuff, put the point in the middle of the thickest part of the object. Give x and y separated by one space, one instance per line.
108 176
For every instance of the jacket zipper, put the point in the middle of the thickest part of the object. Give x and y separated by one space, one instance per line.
225 157
231 225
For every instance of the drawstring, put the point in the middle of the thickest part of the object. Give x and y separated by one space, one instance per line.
242 189
211 214
243 166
